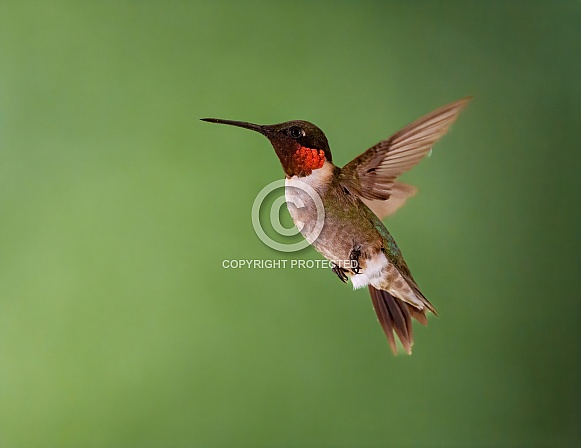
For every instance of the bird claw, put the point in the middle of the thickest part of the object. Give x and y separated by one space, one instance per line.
354 257
340 272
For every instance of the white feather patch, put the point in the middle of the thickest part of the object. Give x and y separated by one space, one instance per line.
372 274
318 178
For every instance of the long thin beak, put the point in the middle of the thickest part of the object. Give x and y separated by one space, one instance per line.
240 124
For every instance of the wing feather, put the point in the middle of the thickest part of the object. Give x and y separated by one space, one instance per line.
372 174
399 194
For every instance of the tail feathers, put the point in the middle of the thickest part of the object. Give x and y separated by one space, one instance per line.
425 301
396 315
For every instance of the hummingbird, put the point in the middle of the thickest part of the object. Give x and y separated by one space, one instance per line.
356 198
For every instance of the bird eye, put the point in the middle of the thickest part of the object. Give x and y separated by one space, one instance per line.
296 132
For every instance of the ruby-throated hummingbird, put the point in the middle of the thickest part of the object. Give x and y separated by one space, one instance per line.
355 199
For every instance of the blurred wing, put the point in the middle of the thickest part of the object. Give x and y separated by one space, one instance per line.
372 174
400 193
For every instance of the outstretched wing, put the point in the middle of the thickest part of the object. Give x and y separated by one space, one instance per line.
373 173
400 193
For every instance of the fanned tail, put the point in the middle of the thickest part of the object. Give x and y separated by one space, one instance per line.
396 315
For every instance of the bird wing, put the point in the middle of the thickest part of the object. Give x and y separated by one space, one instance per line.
372 174
400 193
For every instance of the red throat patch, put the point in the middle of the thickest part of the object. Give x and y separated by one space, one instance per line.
307 159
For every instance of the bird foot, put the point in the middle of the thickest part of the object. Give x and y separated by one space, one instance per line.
354 256
340 272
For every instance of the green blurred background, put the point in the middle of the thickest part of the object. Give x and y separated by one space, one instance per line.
120 328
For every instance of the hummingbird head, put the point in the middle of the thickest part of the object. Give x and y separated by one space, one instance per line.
300 146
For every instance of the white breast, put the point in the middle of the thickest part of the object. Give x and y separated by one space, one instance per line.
304 203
